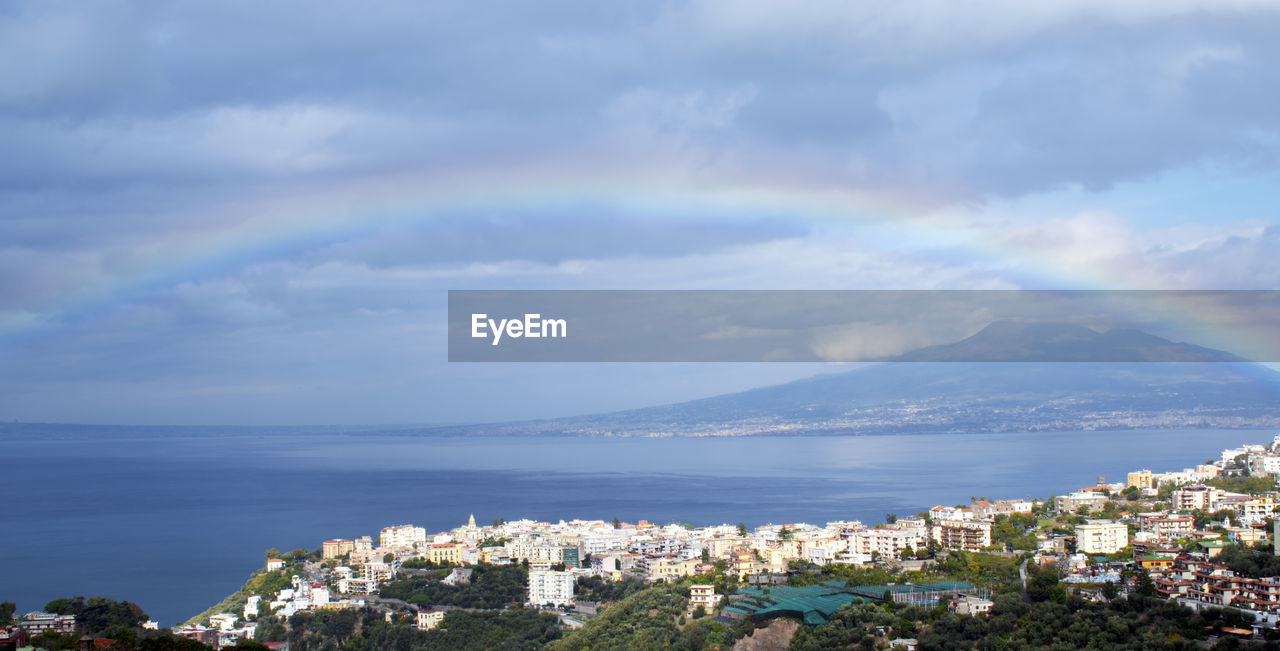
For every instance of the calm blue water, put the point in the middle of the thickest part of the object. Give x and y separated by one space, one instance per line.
175 524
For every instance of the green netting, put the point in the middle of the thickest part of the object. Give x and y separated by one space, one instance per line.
814 604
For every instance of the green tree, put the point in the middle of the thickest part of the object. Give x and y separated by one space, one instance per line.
890 518
7 609
1109 590
1144 585
617 523
742 528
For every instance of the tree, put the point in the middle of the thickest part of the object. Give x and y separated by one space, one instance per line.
7 609
699 612
617 524
890 518
1109 590
1144 585
498 522
272 553
784 534
388 557
706 555
742 528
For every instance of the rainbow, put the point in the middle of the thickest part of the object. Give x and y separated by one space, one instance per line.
278 227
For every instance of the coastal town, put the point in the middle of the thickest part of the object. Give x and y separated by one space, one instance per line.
1201 537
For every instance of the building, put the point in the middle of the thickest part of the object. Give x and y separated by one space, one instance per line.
251 606
1167 527
429 619
970 605
223 621
378 571
1142 479
1196 496
1089 500
1252 510
888 542
358 585
12 638
950 513
403 536
337 548
459 576
541 551
274 564
442 553
1101 537
1203 584
669 568
959 534
548 587
703 595
39 622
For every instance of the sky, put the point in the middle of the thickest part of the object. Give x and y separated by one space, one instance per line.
247 213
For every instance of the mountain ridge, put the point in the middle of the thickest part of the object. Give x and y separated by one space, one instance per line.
1013 388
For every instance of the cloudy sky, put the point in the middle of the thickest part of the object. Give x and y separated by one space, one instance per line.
240 212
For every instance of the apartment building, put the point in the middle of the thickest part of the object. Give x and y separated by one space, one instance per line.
668 567
1202 584
888 542
1072 503
337 548
964 535
1101 537
1142 479
429 619
548 587
1196 496
445 553
403 536
703 595
1252 510
1166 527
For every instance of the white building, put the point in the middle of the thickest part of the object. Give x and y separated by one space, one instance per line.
403 536
1196 496
429 619
1101 537
888 542
223 621
703 595
251 606
960 534
549 587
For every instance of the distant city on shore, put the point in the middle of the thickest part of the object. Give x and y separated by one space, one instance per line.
1200 537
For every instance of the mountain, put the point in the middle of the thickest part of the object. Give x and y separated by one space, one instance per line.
1004 384
1010 341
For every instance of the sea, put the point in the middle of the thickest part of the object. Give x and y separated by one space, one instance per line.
177 521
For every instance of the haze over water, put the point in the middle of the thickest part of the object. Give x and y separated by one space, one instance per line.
175 523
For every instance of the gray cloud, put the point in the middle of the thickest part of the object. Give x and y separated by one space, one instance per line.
135 133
